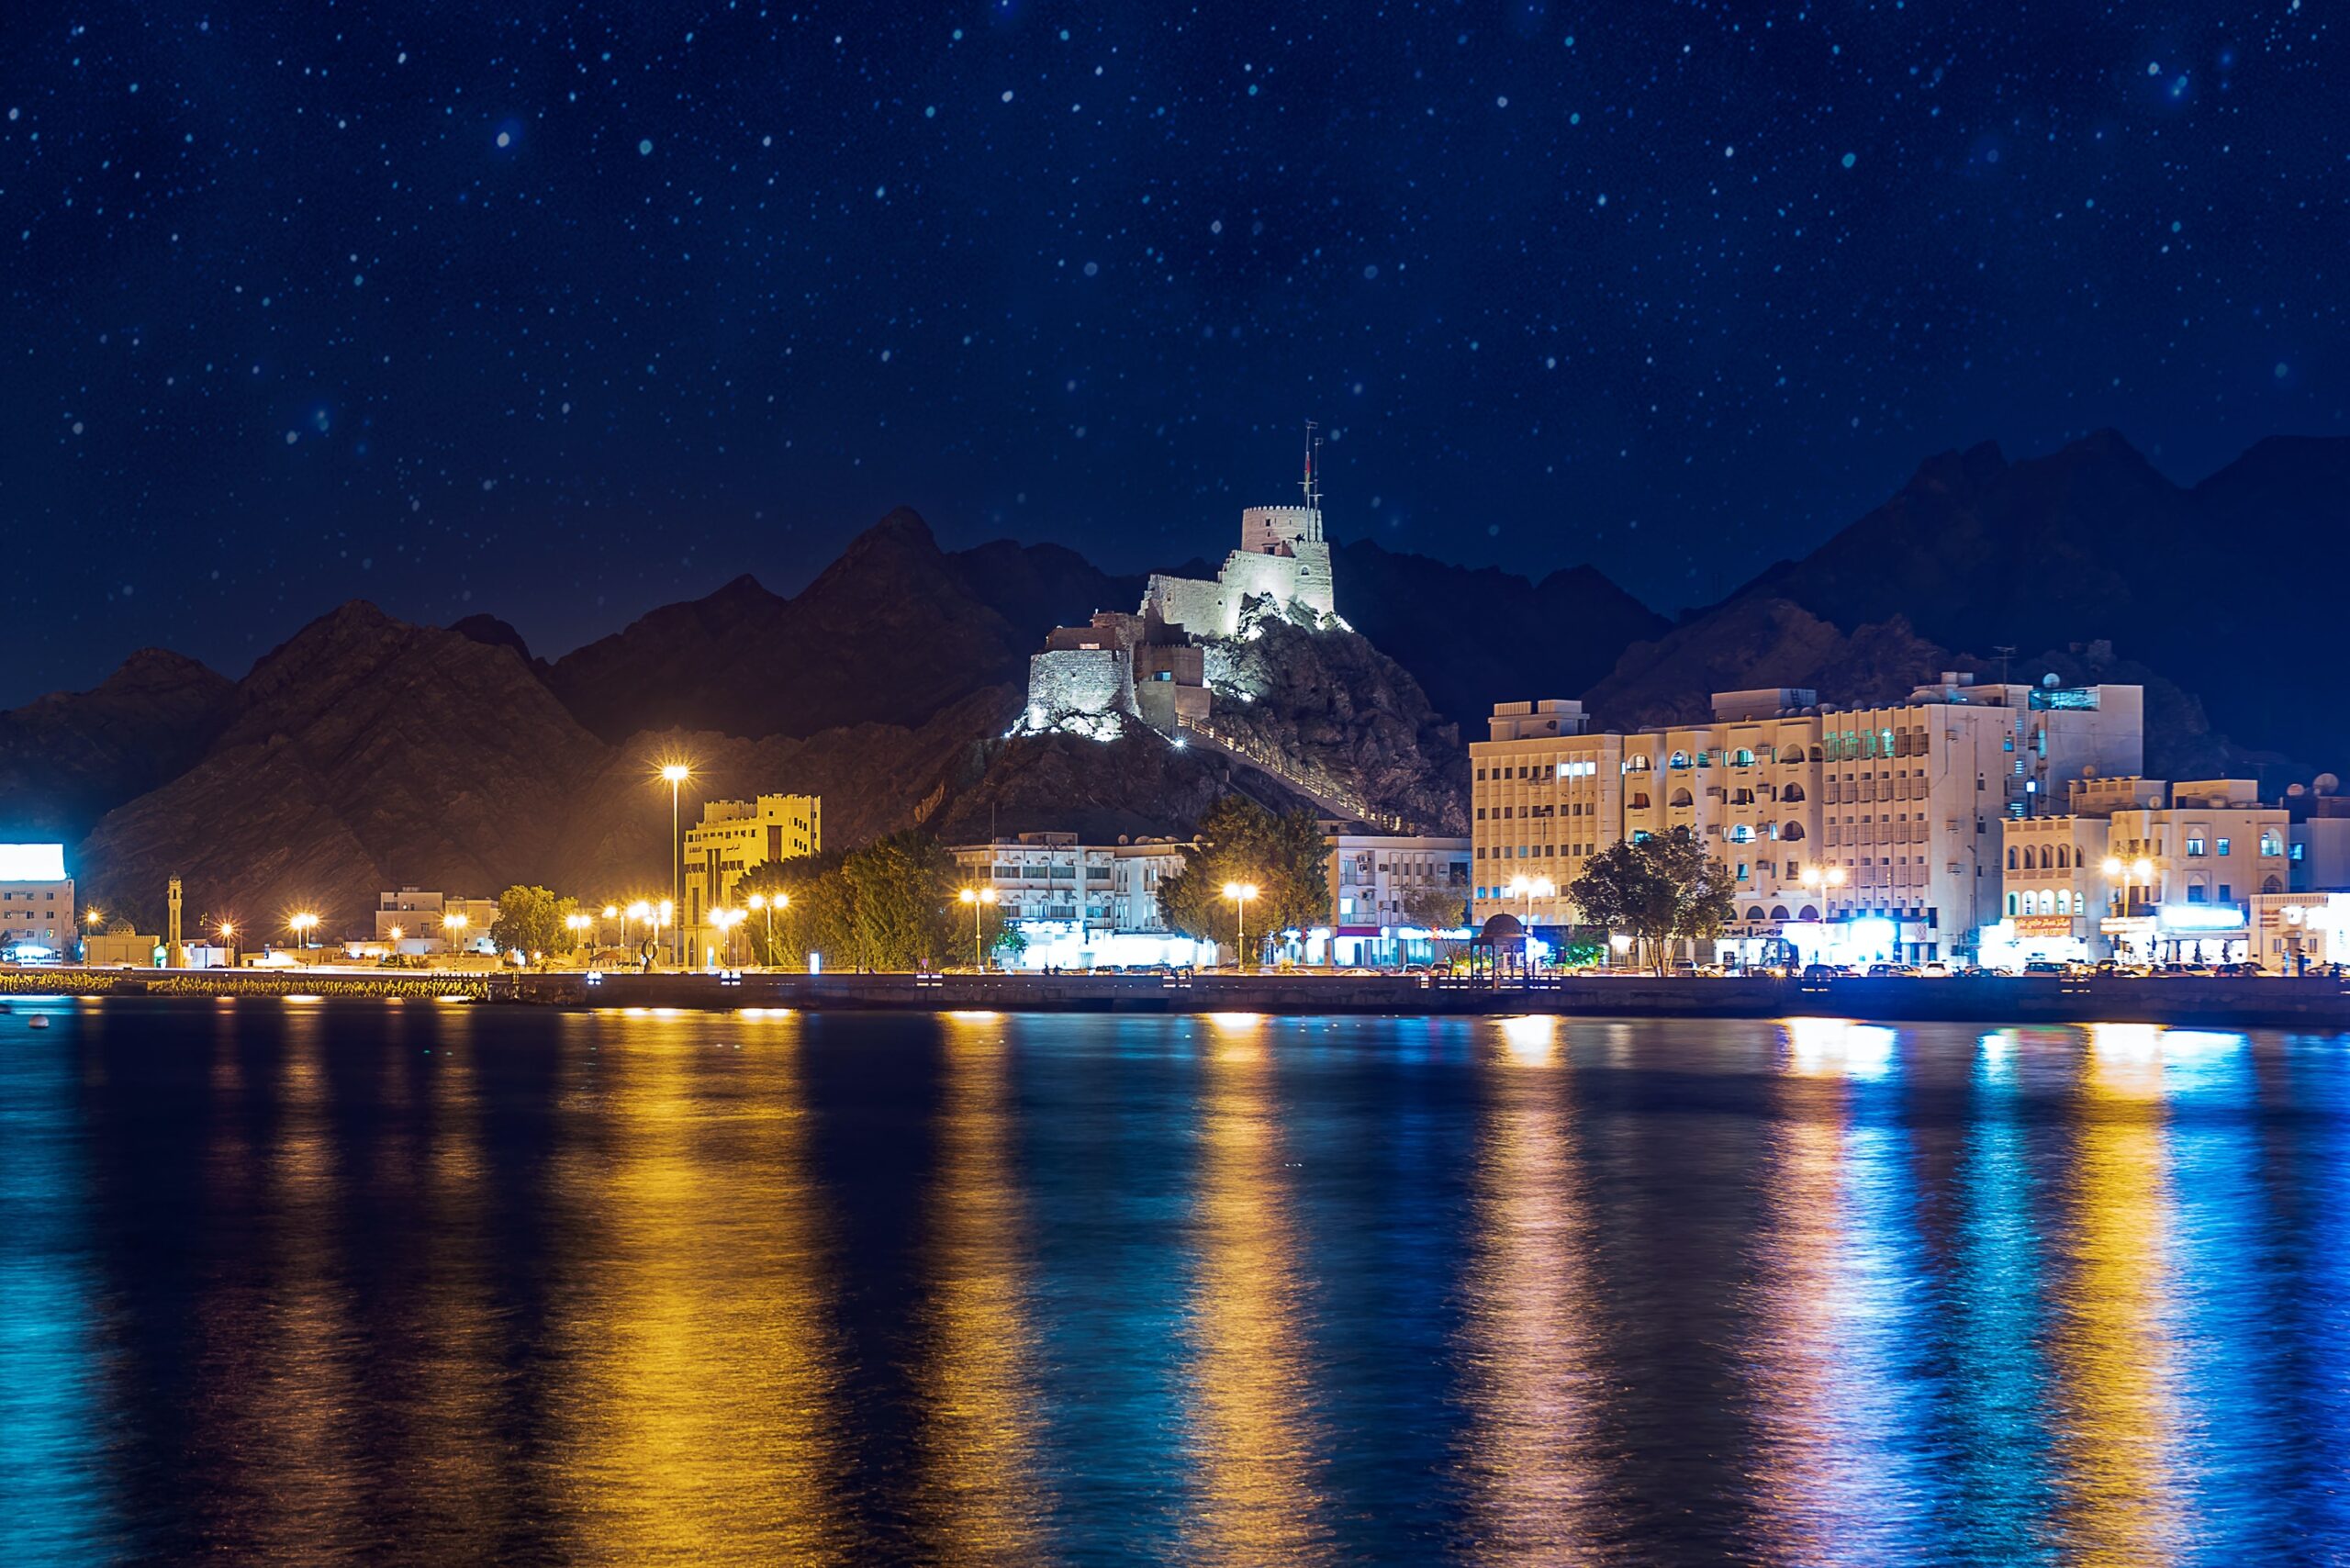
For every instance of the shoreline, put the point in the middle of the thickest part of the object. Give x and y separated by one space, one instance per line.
2310 1003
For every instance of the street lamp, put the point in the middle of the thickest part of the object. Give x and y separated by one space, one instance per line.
642 911
578 924
1240 893
768 906
979 899
301 925
675 774
726 920
452 930
228 935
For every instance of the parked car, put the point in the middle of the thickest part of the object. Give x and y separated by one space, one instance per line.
1891 971
1822 972
2042 967
1934 968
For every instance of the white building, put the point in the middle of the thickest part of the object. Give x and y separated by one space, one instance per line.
1390 895
1078 905
413 919
1851 833
38 920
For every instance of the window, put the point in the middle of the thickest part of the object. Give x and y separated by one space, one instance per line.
2194 843
2224 846
2271 842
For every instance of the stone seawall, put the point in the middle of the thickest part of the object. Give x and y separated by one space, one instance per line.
2318 1005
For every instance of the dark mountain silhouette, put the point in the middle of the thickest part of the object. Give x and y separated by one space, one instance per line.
1472 637
68 758
2229 589
894 631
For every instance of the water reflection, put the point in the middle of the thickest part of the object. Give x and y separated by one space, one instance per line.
1252 1439
977 1392
1845 1476
1534 1494
55 1504
2118 1418
700 1400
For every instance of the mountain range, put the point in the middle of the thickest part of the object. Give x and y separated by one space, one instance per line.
368 753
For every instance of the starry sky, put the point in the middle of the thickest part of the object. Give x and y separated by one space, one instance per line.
562 312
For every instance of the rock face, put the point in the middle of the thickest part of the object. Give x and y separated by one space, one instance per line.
1329 705
68 758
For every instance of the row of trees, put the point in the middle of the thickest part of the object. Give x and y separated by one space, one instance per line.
1284 858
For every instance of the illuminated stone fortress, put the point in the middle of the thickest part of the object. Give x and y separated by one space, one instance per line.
1153 663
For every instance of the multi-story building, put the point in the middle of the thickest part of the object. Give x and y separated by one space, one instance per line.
2141 870
2185 873
1848 832
37 914
1388 894
736 836
414 920
1079 905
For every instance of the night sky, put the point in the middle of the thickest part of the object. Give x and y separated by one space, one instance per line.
561 313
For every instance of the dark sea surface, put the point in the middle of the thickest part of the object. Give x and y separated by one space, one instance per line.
315 1284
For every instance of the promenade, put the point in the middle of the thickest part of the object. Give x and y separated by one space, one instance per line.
2312 1003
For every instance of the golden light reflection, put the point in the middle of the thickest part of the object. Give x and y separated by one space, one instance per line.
978 1432
1255 1449
703 1385
1530 1468
2118 1423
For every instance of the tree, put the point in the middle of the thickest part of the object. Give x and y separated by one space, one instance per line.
903 886
530 921
1285 857
1656 887
818 917
1433 908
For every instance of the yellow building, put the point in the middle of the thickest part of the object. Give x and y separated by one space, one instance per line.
736 836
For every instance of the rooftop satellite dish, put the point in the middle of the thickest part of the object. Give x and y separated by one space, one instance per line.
2090 771
2326 783
2154 802
2048 682
2294 789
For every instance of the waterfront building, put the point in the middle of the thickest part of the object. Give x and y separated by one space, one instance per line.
1851 833
1079 905
38 919
733 837
415 920
1390 897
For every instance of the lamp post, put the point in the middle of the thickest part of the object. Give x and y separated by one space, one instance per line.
726 920
301 925
452 930
769 905
979 899
578 925
643 911
1240 893
675 774
611 913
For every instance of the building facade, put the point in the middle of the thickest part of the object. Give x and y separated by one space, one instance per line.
1079 905
38 922
733 837
1389 894
414 920
1850 833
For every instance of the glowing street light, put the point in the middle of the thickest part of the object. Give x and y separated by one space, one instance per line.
979 899
1240 893
726 920
452 929
768 906
578 924
675 774
301 925
1528 889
